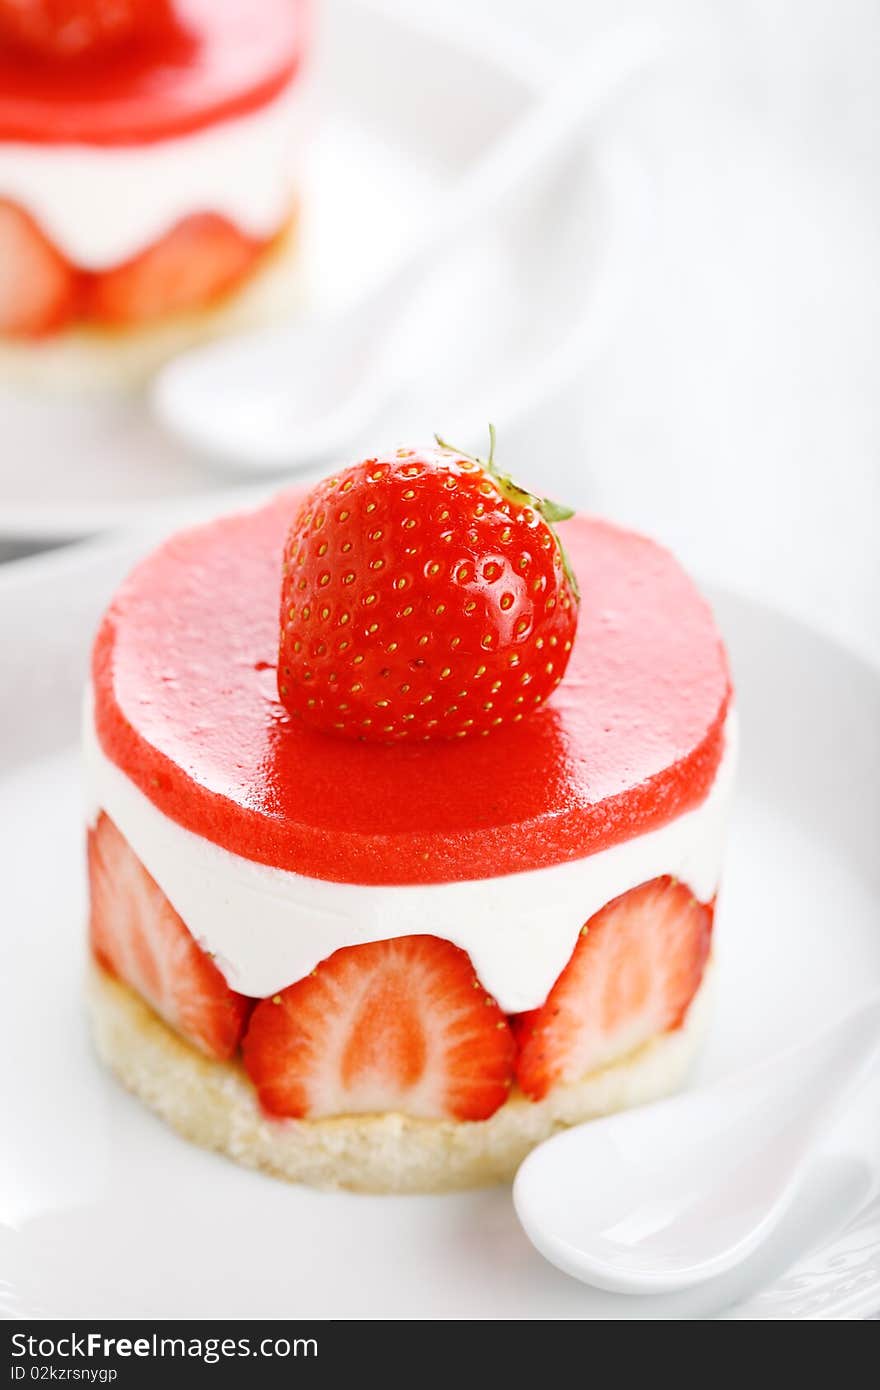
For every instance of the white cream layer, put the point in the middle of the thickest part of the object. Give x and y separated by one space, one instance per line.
102 205
268 927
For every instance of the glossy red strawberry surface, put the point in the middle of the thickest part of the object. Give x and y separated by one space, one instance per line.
401 1025
221 58
186 704
424 596
67 30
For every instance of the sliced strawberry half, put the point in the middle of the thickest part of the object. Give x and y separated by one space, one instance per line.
196 263
38 287
137 936
635 969
402 1026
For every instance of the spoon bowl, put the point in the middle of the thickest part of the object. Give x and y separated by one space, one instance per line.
660 1198
273 401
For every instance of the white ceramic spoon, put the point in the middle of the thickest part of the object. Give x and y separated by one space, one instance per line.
666 1196
276 400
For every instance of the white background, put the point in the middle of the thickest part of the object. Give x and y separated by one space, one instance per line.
737 414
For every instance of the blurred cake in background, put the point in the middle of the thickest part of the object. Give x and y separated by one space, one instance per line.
148 177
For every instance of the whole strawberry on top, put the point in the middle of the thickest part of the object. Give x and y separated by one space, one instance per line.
424 595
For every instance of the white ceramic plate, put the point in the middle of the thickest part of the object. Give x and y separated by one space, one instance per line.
108 1214
401 107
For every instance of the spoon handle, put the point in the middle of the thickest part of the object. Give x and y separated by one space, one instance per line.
537 145
853 1047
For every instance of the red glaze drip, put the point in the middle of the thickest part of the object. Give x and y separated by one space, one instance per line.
186 705
225 58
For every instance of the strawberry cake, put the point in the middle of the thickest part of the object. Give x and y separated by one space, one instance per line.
387 892
148 176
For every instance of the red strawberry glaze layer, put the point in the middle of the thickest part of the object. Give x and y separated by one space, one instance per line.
226 58
186 706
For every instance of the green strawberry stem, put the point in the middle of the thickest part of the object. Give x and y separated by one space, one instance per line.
552 512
